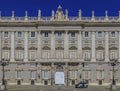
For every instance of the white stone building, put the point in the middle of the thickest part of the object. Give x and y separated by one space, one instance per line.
38 46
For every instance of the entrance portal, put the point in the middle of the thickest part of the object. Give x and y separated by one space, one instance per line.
59 75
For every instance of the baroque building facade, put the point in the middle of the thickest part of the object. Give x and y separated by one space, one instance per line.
82 47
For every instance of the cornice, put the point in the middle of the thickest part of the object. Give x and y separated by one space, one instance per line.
60 23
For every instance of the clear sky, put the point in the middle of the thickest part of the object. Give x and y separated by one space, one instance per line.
46 6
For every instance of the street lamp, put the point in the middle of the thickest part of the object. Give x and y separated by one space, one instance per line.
113 63
3 63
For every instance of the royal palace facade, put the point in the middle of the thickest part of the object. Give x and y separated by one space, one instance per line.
81 47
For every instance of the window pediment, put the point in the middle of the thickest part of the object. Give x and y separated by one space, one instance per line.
32 48
46 48
59 48
100 48
86 48
19 48
6 48
113 48
73 48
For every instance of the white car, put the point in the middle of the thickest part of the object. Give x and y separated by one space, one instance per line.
82 84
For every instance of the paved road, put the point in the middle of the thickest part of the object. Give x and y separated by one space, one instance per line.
56 88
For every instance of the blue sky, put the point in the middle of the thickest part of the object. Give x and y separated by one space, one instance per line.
32 6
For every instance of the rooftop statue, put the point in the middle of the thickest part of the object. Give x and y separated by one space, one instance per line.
59 14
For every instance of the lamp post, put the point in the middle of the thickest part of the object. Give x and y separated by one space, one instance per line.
3 63
113 63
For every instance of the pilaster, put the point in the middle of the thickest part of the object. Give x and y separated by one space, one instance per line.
119 45
93 47
52 45
66 47
79 45
26 46
12 47
106 46
39 46
0 45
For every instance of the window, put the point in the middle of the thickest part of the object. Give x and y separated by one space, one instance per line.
113 54
73 74
86 56
32 54
32 74
72 34
19 34
73 53
5 34
100 55
113 34
6 54
19 54
19 76
86 74
100 74
45 74
46 34
86 34
59 34
99 34
46 54
32 34
59 53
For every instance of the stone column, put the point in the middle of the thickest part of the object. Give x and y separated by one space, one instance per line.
52 45
79 75
52 74
106 46
26 46
79 45
93 47
0 45
12 47
119 45
66 74
39 46
66 47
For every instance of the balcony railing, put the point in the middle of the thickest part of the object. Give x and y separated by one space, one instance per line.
100 59
19 59
83 19
31 59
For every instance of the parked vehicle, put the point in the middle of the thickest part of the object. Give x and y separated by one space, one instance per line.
82 84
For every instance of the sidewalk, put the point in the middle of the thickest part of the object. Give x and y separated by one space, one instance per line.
56 88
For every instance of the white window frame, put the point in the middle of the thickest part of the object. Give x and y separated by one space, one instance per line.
45 74
19 54
45 53
86 74
100 34
113 34
32 54
6 35
19 74
73 53
6 54
32 74
59 53
100 54
73 74
100 74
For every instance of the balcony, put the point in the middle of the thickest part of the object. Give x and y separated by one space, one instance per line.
19 60
100 59
31 59
87 59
